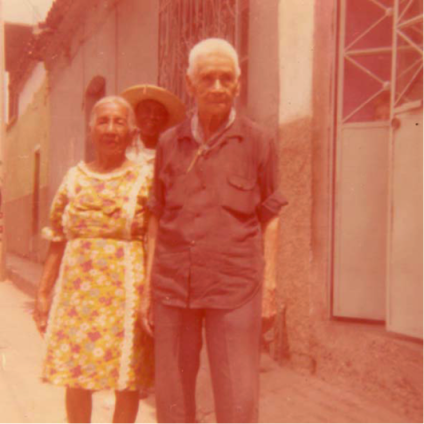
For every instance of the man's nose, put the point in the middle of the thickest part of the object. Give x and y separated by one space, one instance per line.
217 84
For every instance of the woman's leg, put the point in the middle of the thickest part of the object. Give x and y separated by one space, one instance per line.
126 406
78 405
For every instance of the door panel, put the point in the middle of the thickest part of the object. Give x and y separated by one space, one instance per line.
361 222
405 271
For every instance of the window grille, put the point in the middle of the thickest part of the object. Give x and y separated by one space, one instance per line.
183 23
381 57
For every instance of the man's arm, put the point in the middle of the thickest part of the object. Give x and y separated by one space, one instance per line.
146 317
270 231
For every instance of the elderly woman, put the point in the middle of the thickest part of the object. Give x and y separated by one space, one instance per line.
96 255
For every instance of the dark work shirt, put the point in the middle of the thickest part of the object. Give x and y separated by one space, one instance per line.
209 249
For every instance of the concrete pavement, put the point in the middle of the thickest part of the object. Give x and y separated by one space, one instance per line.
286 395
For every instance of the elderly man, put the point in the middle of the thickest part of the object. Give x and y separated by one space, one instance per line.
214 198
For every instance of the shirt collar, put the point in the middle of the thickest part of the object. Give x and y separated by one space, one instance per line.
236 130
141 149
197 131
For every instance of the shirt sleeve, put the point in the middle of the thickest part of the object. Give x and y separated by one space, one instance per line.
55 232
272 200
157 195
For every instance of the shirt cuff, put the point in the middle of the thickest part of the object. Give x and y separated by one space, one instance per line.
272 206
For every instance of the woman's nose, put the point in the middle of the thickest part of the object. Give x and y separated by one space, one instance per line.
111 127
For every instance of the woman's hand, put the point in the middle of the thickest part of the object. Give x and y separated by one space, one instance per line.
41 312
47 282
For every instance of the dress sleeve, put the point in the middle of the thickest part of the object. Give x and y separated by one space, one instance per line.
54 232
139 223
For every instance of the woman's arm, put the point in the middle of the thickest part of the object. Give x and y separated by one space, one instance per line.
46 285
146 316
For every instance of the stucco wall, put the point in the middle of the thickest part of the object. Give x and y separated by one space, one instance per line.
263 71
22 137
113 40
296 28
364 357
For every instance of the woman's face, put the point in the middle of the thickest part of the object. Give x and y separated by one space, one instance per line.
110 132
151 117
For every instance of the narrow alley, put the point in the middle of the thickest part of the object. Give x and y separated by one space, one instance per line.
286 395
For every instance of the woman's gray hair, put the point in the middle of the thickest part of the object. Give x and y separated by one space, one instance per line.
119 101
211 45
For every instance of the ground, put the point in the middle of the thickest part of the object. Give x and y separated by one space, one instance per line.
286 395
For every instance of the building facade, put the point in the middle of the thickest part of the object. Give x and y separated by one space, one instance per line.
340 84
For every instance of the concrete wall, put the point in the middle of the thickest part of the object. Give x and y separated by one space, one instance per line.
296 28
364 357
113 40
263 79
22 137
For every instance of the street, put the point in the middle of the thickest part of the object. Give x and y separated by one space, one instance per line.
286 396
23 398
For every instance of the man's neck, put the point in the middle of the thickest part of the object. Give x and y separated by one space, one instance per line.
211 123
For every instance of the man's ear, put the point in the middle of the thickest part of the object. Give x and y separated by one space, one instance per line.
238 87
133 134
189 86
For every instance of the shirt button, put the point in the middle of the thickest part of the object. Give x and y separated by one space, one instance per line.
192 242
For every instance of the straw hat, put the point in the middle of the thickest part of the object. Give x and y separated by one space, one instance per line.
137 93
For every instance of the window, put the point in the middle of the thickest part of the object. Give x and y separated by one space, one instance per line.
183 23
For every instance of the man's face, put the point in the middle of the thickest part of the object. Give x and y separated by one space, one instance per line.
110 132
214 84
151 117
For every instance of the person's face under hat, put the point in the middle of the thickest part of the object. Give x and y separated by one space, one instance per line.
152 117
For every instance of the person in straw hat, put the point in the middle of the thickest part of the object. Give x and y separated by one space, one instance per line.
156 110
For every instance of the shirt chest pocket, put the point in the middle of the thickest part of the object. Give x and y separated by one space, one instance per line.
239 194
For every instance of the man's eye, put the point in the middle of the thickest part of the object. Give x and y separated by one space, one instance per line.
207 78
227 78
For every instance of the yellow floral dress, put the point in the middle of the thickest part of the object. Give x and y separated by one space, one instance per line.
93 341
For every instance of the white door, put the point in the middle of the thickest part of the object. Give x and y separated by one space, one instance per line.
378 196
362 160
405 270
405 212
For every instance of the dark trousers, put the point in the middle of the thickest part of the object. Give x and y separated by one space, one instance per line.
232 339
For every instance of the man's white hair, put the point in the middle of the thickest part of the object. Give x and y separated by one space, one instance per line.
119 101
208 46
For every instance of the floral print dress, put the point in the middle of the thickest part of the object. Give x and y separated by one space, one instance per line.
93 341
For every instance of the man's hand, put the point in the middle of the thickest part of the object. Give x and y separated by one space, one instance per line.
41 312
146 314
269 308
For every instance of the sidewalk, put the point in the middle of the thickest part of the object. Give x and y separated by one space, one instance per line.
286 395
